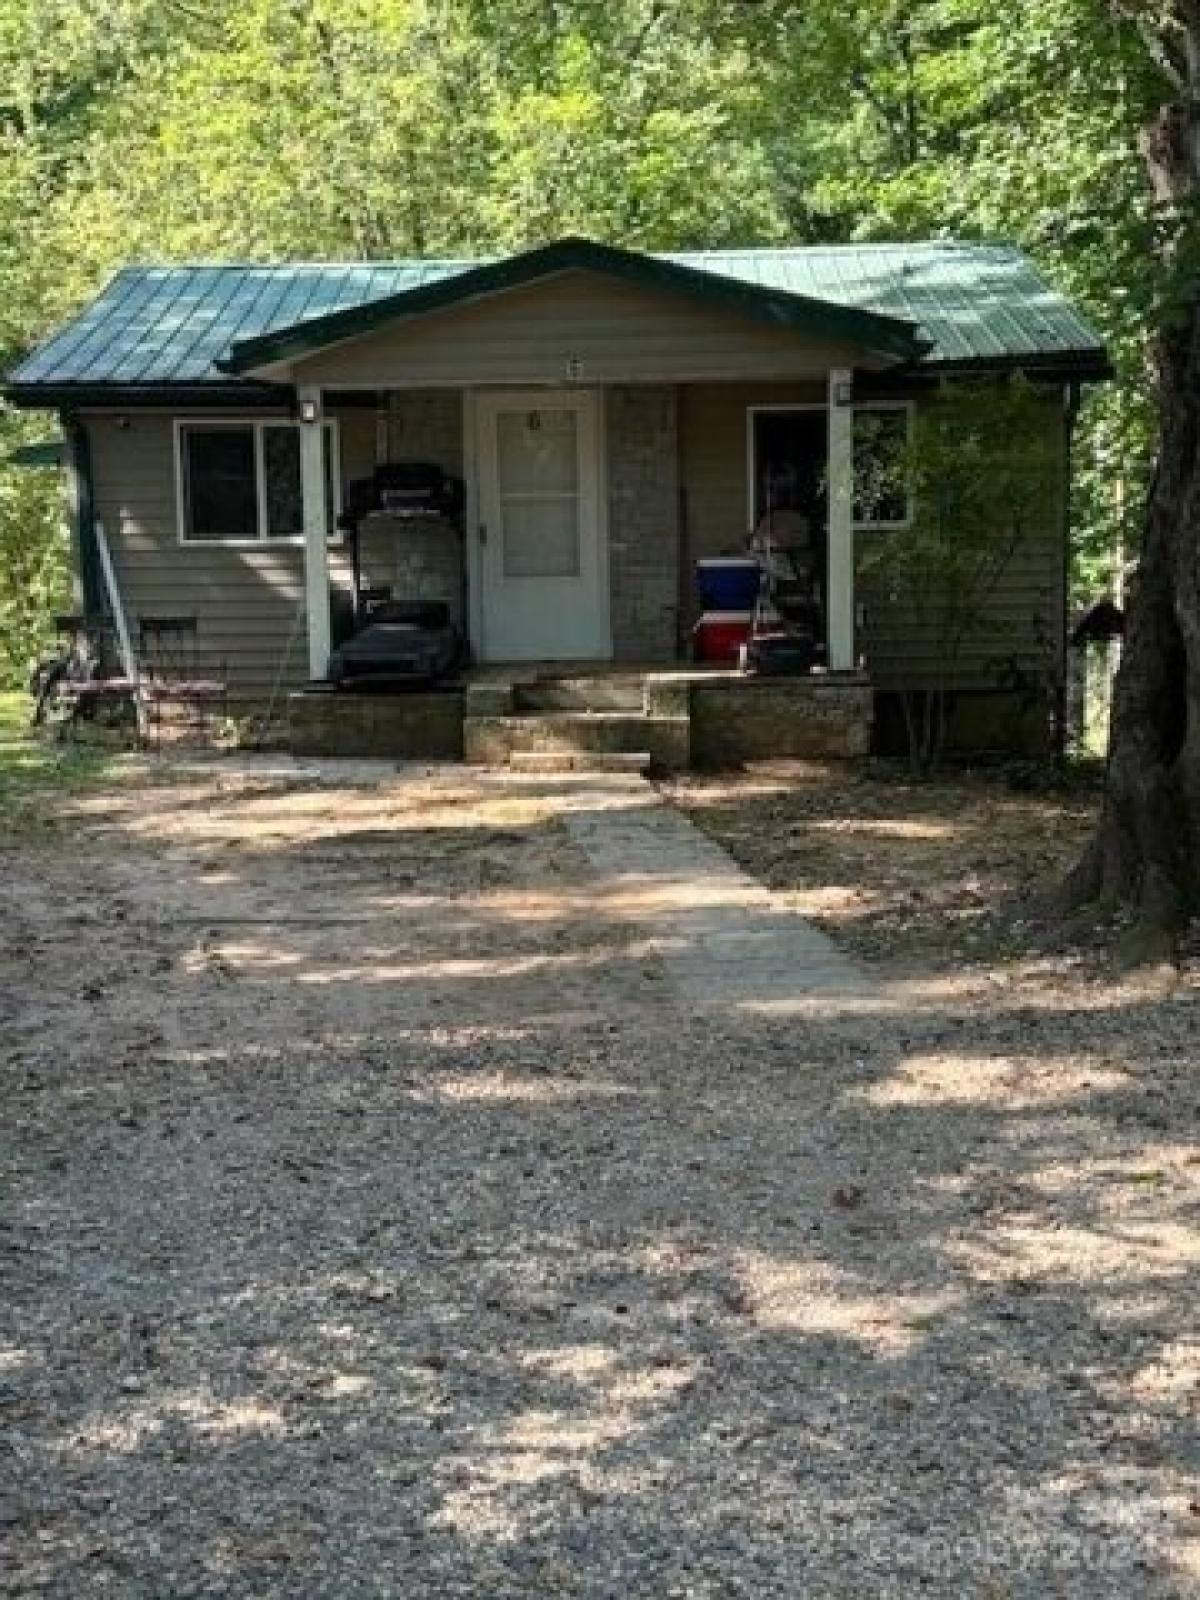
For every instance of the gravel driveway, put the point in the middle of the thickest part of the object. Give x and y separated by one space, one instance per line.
381 1217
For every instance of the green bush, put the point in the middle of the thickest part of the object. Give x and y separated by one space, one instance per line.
983 467
35 578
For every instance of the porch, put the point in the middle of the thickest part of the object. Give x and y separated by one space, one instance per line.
583 510
570 715
568 567
612 419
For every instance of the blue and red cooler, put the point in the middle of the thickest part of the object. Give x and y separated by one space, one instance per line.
728 587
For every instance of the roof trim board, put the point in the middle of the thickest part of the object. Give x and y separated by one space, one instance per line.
69 397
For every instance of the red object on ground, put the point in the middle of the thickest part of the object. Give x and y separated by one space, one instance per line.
720 635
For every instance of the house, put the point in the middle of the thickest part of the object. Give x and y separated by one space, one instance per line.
614 417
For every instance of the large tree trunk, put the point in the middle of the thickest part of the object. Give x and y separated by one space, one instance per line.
1146 854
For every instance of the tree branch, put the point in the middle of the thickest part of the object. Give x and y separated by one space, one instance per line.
1165 38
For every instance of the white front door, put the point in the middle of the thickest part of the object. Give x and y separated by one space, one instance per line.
543 569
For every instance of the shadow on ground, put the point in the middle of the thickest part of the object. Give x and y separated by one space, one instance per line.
905 871
380 1221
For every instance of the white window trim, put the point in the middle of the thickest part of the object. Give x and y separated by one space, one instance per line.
819 405
258 425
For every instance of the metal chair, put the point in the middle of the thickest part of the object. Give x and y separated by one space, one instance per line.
183 688
81 683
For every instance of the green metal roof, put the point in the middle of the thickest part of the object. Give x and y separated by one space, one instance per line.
862 326
946 304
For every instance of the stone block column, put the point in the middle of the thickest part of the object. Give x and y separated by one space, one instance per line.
643 520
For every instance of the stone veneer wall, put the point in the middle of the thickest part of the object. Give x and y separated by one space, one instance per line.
643 520
710 720
418 726
736 720
421 560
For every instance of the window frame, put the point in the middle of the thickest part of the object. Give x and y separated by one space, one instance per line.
753 411
258 427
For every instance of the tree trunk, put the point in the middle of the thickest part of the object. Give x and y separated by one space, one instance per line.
1146 853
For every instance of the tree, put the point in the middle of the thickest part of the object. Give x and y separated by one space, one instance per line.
35 560
1146 853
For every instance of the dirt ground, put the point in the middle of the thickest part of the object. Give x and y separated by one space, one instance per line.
914 874
378 1219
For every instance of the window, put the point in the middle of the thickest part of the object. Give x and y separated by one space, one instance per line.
881 490
537 479
241 481
789 464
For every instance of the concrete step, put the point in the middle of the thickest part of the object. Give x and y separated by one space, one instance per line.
580 761
609 693
492 741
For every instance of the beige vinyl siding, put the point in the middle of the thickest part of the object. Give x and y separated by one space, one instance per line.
578 327
1022 625
246 598
1024 621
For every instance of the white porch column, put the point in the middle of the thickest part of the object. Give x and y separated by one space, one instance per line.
839 600
316 529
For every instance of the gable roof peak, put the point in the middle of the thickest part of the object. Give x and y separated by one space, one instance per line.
881 333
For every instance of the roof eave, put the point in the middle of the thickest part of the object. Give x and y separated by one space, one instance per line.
51 396
1087 366
883 335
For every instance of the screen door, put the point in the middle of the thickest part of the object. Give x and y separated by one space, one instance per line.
541 561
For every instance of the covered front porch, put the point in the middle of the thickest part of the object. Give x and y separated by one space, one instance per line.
612 419
581 513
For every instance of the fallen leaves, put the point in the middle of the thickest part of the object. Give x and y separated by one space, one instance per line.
901 872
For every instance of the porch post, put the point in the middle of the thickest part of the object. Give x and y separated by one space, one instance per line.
839 599
316 530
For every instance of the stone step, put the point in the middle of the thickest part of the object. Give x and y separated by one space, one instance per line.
492 741
580 761
609 693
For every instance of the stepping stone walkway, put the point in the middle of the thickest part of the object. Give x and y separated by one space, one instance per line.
726 942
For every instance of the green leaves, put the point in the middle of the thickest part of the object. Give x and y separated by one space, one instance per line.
984 468
34 557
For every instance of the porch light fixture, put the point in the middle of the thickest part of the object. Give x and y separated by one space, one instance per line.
843 392
310 411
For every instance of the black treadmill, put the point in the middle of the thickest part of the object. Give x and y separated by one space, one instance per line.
391 642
